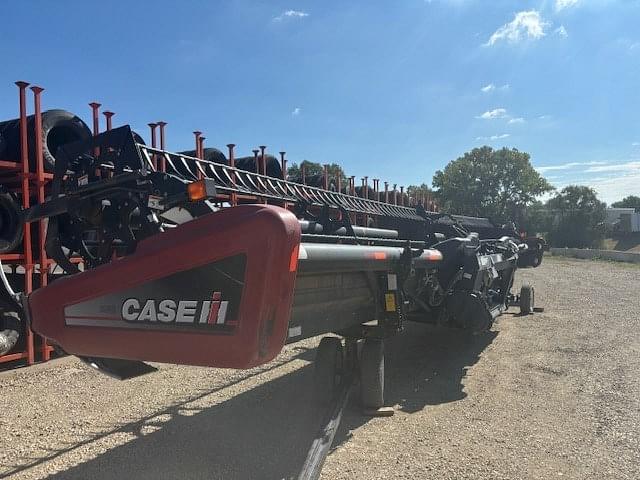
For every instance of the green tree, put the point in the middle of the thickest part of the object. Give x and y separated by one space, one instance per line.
578 218
498 184
420 192
294 171
632 201
536 219
313 169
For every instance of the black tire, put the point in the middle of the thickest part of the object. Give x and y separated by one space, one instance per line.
10 225
10 328
274 169
327 369
138 138
537 259
527 299
372 373
59 127
210 154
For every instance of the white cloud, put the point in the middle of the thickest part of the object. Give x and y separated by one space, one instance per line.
491 87
516 120
561 31
528 24
635 144
290 14
616 167
567 166
296 111
493 137
613 187
492 114
562 4
612 180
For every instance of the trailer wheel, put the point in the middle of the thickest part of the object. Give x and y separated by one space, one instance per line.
537 259
372 373
327 369
527 299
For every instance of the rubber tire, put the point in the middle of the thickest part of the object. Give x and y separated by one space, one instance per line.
11 230
327 369
10 328
527 299
372 373
73 127
537 259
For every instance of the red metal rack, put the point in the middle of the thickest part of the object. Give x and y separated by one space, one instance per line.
17 176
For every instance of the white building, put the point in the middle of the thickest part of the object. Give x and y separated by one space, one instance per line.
623 219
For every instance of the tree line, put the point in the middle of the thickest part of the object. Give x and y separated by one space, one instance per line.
503 186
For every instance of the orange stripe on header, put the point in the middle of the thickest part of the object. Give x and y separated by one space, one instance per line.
379 255
293 261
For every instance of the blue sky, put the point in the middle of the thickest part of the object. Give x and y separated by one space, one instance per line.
392 90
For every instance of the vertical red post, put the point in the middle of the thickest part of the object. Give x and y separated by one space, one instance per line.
263 159
325 176
44 262
108 115
154 157
201 139
256 160
197 134
339 181
303 171
365 194
264 163
232 164
283 164
163 146
395 193
28 254
39 175
352 192
95 114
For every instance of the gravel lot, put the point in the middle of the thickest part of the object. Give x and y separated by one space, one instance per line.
553 395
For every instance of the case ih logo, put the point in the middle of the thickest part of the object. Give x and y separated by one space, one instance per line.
188 312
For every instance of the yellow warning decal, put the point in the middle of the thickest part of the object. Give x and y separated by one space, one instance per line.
390 302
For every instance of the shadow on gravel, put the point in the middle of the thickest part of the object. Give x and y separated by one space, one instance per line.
266 431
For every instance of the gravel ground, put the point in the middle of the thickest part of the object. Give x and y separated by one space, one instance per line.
553 395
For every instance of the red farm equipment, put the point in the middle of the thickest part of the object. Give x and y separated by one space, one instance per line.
198 258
